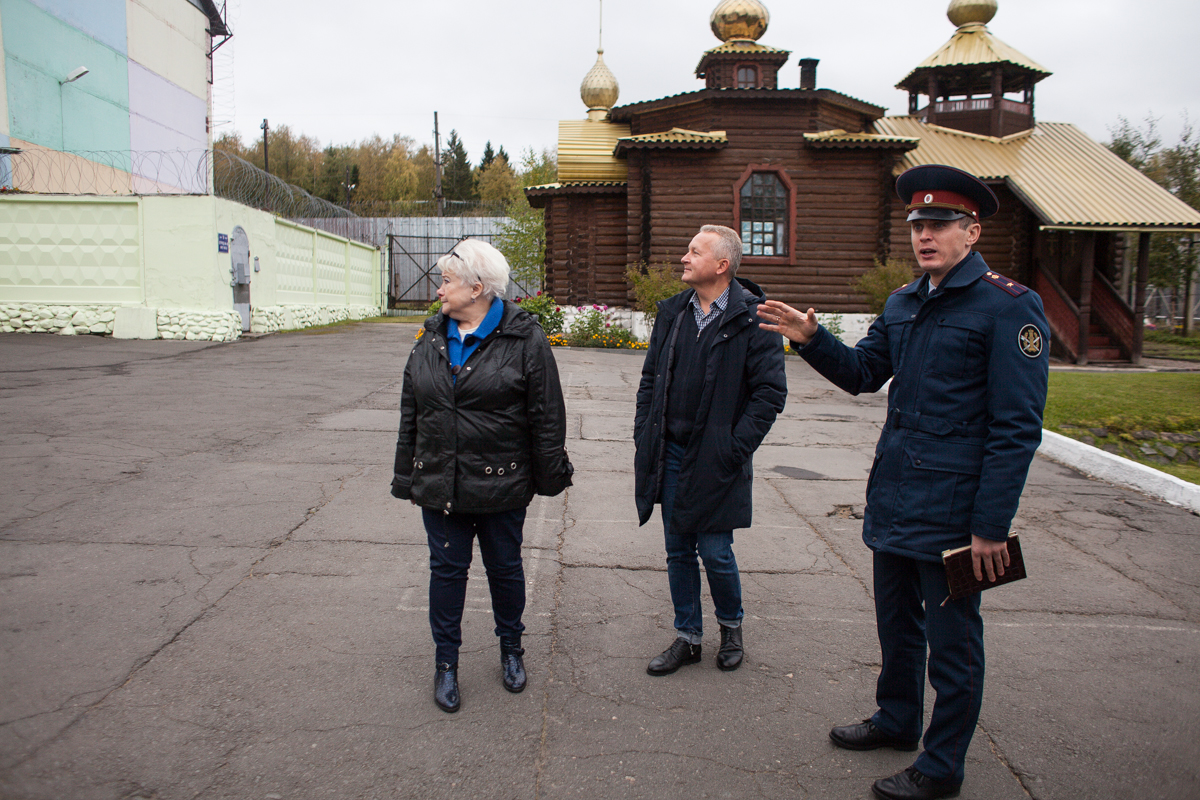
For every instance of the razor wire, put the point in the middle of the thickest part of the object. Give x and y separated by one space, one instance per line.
105 172
235 178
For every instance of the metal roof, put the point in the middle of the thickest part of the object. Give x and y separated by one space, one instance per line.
577 185
1068 180
838 138
974 44
742 49
585 151
628 110
676 137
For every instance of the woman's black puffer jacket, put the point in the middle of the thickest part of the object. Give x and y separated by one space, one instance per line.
496 437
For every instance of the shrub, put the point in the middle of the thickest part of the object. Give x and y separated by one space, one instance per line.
544 307
593 327
879 283
652 283
434 308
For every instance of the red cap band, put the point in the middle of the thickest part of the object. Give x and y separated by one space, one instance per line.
940 198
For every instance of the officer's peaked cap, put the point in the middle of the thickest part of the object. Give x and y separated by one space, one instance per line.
935 191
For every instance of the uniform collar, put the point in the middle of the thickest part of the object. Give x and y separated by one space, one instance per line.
965 272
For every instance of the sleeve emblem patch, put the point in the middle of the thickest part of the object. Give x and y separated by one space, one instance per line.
1030 340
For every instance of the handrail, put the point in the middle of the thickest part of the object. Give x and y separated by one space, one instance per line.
1061 312
1116 295
1062 293
1114 314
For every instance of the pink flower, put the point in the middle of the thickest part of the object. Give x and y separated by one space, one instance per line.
539 294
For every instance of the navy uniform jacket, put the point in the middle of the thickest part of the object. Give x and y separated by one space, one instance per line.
969 366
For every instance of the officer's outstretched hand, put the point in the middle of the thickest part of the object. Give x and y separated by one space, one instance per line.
988 555
781 318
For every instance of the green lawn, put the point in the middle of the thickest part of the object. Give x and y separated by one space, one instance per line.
1123 410
1164 344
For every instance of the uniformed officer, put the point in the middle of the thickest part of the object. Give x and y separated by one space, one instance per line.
966 351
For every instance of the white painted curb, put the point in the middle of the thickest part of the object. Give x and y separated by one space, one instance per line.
1096 463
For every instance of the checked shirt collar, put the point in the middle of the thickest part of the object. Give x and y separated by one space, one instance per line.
718 306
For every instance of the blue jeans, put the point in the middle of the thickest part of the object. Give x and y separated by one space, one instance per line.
450 543
683 571
910 615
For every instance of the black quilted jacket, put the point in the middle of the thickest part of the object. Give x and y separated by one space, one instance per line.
496 437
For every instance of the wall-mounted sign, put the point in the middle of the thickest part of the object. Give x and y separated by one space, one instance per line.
222 243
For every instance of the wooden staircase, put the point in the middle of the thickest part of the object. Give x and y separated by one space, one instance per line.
1101 346
1109 320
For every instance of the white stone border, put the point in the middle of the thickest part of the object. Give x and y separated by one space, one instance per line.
1096 463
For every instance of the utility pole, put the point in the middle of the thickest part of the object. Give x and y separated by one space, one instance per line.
350 187
266 158
437 167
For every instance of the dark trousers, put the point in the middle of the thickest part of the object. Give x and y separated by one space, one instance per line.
954 635
450 545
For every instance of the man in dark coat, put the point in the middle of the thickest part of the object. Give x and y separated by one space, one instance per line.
965 349
711 386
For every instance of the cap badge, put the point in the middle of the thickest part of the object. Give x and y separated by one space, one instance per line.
928 198
1030 340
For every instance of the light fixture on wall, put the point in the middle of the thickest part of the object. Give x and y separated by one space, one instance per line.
75 75
72 76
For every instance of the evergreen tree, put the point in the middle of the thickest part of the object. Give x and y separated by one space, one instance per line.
458 179
488 156
503 156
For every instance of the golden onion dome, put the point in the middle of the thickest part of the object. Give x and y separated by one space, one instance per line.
599 89
965 12
744 20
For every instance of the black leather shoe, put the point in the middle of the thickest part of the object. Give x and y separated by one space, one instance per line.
911 784
680 652
512 665
729 656
865 736
445 688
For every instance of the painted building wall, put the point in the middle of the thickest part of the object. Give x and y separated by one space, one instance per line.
162 254
146 91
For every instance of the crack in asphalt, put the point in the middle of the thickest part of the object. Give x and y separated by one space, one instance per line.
829 546
543 755
142 662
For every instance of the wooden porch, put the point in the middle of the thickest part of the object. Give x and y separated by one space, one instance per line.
1089 319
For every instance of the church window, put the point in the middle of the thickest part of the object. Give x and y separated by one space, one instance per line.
764 215
747 77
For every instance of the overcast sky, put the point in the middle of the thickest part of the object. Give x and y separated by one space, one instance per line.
509 71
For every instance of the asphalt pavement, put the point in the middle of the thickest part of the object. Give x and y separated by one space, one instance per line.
206 591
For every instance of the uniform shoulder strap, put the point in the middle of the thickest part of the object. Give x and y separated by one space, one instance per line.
1012 287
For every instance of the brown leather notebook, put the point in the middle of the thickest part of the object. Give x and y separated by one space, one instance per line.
960 573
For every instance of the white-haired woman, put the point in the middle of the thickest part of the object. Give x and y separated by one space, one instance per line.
482 429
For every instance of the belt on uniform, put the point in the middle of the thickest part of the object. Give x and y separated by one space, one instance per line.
939 426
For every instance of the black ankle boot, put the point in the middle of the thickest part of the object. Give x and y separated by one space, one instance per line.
729 656
512 665
445 688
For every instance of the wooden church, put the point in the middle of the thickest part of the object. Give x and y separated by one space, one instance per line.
807 176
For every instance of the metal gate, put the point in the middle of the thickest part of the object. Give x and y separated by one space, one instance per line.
413 278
